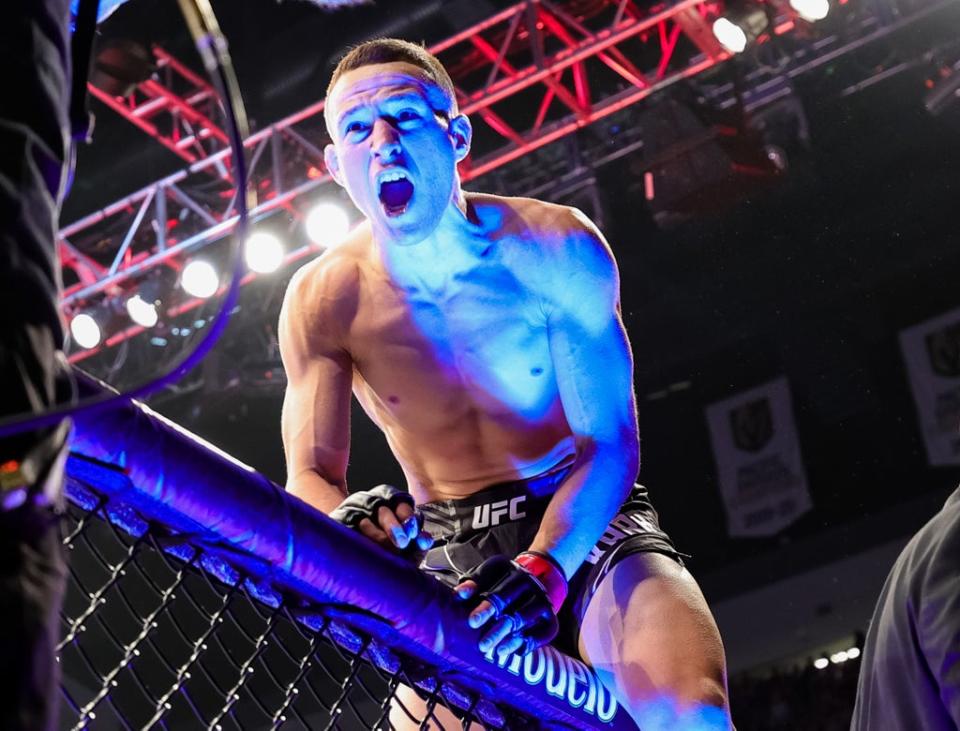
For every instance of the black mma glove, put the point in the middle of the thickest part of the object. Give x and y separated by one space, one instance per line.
524 597
366 503
401 530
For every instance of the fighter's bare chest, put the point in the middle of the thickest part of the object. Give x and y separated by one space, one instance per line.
485 337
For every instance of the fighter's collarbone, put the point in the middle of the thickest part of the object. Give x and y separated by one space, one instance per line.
478 283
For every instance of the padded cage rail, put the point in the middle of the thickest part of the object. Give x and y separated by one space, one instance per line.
203 596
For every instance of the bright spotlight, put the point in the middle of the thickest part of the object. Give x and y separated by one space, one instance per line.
264 252
839 657
811 10
142 312
740 27
820 663
327 224
199 279
730 35
853 653
85 330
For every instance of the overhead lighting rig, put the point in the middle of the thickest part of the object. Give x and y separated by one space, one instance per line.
746 22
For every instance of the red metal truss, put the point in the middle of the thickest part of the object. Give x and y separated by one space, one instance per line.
547 48
528 76
175 106
569 65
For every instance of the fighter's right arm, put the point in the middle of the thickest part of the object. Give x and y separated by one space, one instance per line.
316 407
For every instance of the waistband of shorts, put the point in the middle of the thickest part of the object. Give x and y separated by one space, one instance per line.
442 515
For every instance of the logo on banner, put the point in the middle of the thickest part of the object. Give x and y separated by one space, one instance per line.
757 450
943 349
752 425
931 351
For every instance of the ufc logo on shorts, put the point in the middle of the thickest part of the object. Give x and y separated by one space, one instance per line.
492 513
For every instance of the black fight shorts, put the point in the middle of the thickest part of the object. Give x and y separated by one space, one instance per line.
503 519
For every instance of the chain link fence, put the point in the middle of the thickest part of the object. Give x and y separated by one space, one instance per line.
159 633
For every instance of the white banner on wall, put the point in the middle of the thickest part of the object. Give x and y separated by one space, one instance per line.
932 354
762 479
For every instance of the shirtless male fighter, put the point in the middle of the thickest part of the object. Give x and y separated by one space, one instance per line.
483 335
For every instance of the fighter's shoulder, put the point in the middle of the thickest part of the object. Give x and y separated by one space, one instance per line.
565 257
563 238
332 279
517 213
321 301
552 220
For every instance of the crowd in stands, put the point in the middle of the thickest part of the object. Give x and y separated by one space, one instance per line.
801 699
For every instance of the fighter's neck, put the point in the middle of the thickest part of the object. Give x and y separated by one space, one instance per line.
456 245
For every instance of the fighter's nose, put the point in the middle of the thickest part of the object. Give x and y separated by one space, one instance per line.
386 139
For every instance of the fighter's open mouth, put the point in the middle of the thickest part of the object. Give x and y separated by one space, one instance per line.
395 194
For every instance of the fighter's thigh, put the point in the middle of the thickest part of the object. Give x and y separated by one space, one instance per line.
417 707
649 634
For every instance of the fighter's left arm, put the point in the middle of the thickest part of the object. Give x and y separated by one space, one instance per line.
594 371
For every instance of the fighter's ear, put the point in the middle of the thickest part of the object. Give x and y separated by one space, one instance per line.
461 131
332 162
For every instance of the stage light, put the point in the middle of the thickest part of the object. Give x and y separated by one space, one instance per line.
730 35
853 653
142 312
820 663
811 10
839 657
263 252
85 330
327 223
199 279
738 28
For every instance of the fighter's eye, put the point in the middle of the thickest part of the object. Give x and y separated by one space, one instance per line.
408 115
356 127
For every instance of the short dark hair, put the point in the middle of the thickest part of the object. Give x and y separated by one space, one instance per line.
390 50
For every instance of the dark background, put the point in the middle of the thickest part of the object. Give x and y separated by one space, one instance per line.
811 277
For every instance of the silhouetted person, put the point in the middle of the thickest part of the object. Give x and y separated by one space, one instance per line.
910 672
34 144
